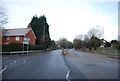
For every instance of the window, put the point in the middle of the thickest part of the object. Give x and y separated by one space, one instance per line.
8 38
17 38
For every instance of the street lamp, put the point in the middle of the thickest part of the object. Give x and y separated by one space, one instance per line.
103 37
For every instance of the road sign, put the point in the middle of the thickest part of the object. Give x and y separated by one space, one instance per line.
25 42
26 39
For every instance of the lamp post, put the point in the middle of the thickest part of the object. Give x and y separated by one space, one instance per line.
103 37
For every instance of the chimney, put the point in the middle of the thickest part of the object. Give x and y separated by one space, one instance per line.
29 26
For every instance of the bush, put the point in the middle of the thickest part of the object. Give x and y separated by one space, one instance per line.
36 47
116 46
19 47
12 47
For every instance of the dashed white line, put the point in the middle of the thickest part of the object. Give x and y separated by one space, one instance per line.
18 61
3 70
4 58
107 62
65 67
14 60
11 64
24 61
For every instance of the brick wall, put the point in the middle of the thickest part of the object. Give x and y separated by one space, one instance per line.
31 36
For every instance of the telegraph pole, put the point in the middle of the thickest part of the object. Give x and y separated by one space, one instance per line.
43 34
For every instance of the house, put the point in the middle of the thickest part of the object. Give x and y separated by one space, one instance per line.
21 35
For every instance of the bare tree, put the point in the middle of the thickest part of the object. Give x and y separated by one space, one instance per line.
94 32
80 37
63 42
3 18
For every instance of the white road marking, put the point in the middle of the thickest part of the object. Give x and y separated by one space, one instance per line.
3 70
67 76
4 58
65 67
18 61
24 61
107 62
11 64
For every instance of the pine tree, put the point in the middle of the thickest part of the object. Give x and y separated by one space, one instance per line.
41 29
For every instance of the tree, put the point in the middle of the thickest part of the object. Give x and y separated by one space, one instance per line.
3 18
69 44
41 29
80 37
94 32
114 41
77 43
115 44
86 41
94 42
53 45
94 35
63 42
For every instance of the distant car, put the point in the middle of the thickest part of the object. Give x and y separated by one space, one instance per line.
64 51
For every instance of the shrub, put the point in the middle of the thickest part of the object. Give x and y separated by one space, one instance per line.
19 47
116 45
12 47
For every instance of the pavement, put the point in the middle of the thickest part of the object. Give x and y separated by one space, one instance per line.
54 65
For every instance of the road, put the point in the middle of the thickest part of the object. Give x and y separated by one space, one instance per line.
54 65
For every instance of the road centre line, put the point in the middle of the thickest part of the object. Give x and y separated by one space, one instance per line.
65 67
15 62
3 70
4 58
67 76
24 61
11 64
107 62
18 61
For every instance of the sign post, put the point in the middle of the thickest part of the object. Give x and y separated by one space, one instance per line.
26 41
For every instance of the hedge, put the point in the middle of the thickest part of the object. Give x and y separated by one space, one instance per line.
19 47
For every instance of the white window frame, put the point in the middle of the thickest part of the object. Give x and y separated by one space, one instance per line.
17 38
8 38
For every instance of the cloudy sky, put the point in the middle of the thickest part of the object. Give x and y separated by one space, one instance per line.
67 18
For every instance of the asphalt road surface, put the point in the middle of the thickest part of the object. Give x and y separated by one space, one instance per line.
54 65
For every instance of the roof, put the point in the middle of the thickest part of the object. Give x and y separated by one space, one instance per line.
17 32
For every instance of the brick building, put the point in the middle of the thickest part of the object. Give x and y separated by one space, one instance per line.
19 36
